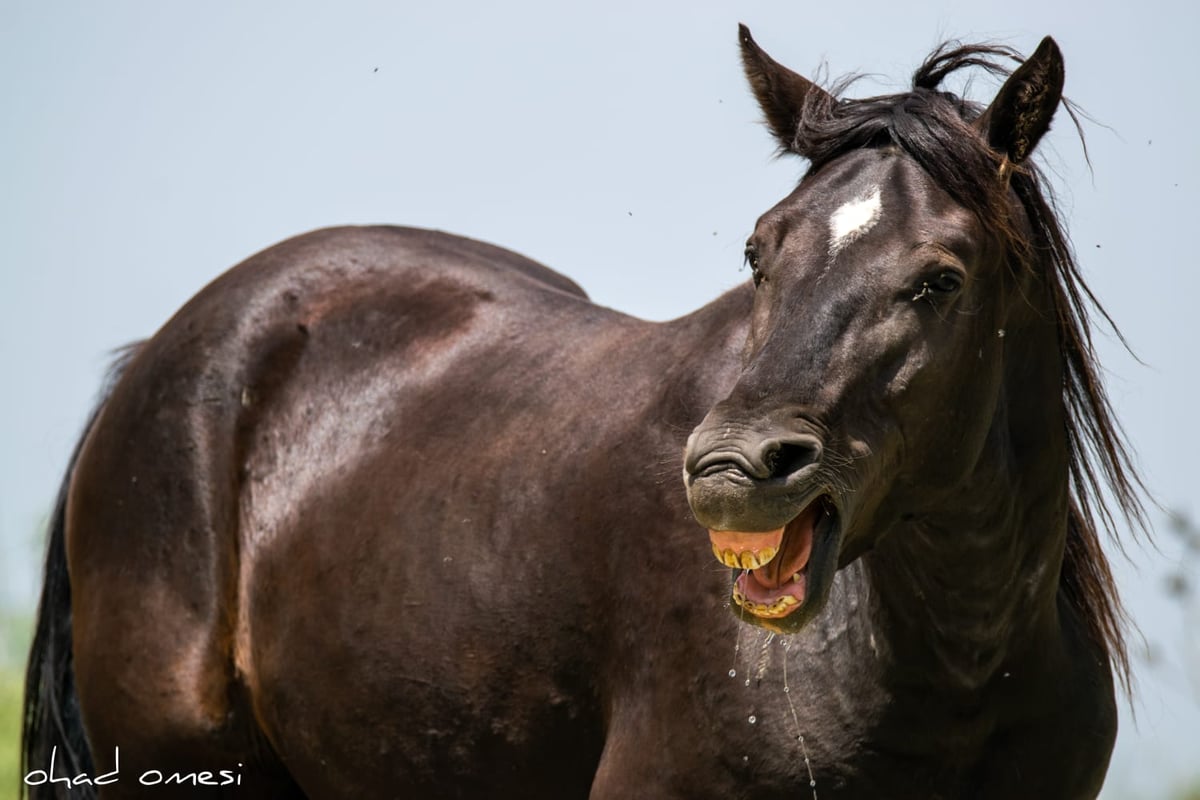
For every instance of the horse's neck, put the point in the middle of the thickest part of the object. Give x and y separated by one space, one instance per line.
955 607
964 596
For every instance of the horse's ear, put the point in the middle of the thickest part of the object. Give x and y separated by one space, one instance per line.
1021 112
781 93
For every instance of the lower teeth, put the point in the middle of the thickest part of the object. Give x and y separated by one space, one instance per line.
778 607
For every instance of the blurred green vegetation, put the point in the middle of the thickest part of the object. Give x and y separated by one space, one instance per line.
1189 791
15 632
10 731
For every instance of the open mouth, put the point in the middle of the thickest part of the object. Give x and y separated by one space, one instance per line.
774 578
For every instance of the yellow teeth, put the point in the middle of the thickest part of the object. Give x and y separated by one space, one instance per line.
776 609
747 559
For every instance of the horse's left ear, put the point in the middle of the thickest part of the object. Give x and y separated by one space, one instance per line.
1021 112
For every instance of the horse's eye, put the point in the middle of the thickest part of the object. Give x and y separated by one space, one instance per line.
751 255
946 282
943 284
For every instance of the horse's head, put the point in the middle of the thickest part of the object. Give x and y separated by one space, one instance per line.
874 365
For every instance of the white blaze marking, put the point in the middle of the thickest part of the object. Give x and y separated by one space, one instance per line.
853 220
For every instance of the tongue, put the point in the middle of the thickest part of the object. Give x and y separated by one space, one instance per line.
796 546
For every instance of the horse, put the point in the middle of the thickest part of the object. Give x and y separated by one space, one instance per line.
386 512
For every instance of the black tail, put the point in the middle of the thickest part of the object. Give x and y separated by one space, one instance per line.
51 719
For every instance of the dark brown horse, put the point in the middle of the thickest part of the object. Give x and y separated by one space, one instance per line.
389 513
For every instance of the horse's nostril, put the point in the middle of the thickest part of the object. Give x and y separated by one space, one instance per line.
785 458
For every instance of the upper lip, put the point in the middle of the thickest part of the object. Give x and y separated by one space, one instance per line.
714 463
721 459
733 467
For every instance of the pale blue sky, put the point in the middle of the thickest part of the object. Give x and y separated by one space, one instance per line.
148 146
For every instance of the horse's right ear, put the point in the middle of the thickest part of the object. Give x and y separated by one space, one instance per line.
781 93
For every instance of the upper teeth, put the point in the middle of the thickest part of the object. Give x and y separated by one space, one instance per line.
746 559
